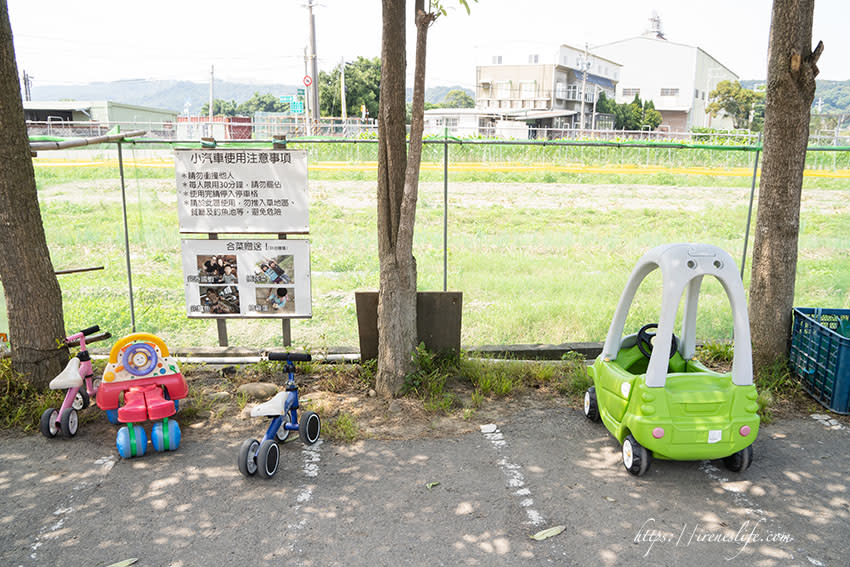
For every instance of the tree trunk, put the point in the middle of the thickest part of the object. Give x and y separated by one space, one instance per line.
33 297
791 72
398 183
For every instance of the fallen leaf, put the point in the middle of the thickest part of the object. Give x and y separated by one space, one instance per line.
548 532
125 563
609 499
431 485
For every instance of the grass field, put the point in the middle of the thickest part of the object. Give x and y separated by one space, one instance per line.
541 256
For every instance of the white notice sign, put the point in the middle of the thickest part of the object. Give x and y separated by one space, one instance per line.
247 278
242 190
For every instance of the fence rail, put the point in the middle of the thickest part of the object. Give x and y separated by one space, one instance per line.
354 128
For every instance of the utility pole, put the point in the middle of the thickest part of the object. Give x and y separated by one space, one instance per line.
308 120
584 65
593 115
314 67
27 86
342 88
212 81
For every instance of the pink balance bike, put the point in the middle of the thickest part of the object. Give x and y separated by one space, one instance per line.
77 380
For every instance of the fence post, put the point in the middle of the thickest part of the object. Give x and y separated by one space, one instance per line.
445 207
750 212
126 239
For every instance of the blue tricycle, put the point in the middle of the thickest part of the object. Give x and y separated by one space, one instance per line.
263 456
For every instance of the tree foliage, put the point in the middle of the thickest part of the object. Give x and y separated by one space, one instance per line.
736 101
635 115
257 103
362 87
457 98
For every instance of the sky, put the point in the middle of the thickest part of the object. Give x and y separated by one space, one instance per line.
260 41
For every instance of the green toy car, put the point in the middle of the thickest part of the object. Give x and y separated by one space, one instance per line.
653 395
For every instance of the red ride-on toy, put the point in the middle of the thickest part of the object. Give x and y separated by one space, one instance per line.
140 368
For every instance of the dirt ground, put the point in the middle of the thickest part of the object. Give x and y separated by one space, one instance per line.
337 390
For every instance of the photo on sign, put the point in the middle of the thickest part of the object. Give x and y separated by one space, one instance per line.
219 299
274 270
217 269
278 299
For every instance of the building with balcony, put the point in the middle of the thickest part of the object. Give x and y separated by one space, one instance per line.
544 86
676 77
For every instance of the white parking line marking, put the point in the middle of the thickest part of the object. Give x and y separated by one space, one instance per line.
513 473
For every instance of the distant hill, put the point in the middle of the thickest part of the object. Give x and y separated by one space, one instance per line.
835 95
175 95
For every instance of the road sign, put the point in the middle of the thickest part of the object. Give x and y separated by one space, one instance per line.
287 98
296 107
308 80
299 92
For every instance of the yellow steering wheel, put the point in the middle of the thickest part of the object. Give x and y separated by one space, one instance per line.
143 359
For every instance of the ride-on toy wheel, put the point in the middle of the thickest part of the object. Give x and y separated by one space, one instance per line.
268 458
81 400
282 432
309 427
68 422
740 461
635 457
112 416
247 462
644 341
160 441
131 441
591 408
49 423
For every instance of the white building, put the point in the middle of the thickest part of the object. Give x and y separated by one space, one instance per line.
543 85
676 77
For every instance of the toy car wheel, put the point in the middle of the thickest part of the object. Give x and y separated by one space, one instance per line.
158 438
49 423
635 457
247 461
268 458
81 400
282 432
131 446
112 416
591 408
68 422
309 427
740 461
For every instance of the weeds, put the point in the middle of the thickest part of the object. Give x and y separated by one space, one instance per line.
344 428
774 382
716 354
21 404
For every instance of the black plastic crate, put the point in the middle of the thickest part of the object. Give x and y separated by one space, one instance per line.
820 355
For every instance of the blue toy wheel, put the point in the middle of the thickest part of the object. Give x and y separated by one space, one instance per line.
112 416
139 359
162 442
131 441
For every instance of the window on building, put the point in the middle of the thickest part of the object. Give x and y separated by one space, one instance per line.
533 58
696 93
526 89
669 92
572 92
497 60
451 122
438 122
631 92
560 90
703 95
503 89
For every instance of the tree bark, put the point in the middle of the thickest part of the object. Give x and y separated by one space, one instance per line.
33 297
398 183
792 68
